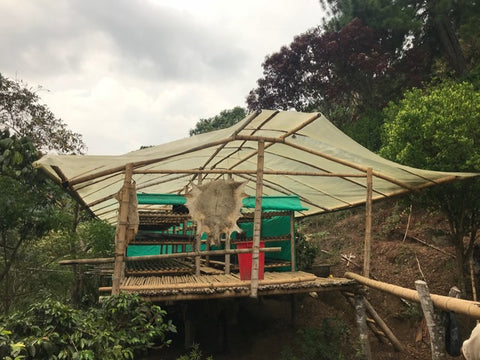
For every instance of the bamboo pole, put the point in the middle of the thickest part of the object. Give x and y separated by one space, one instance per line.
121 233
368 226
198 238
257 220
349 164
247 172
227 256
383 326
108 260
466 307
437 341
292 242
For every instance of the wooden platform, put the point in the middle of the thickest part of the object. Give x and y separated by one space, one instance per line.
191 287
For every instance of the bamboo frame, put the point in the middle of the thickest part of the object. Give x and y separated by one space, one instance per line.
167 256
212 284
246 172
198 241
121 234
257 220
293 264
368 225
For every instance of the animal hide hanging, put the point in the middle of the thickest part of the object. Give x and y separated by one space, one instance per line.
215 206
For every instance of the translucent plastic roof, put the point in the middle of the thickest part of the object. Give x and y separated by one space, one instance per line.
305 156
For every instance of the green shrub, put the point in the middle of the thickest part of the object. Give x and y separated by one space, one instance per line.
306 251
328 342
123 326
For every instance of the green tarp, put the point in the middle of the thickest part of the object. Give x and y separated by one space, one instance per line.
268 202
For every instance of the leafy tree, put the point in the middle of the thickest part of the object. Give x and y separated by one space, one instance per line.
22 113
122 327
437 129
223 120
37 218
447 28
343 73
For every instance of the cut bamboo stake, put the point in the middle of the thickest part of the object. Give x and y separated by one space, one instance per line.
257 220
361 319
121 233
437 341
368 225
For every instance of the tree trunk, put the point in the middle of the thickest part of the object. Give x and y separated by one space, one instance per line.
460 262
450 44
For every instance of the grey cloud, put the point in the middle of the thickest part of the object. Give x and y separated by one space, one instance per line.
155 42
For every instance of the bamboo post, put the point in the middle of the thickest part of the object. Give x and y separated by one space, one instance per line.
368 225
437 341
361 319
293 265
121 233
227 256
257 220
198 239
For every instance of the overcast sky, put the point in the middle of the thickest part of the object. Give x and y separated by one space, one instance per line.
127 73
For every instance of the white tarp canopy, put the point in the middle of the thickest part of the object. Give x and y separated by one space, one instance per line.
305 155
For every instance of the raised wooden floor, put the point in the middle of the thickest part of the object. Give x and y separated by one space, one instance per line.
191 287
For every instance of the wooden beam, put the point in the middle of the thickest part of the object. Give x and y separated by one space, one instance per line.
257 220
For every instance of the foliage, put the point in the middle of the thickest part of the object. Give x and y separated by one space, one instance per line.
225 119
22 113
446 30
305 252
437 128
29 208
194 354
328 342
343 73
124 326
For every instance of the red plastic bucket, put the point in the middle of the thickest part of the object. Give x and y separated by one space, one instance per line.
245 261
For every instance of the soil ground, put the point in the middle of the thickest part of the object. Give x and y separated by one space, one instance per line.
263 329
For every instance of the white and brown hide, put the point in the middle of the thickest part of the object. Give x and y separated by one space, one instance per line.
471 346
215 206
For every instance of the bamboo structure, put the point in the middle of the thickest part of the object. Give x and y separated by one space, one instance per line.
293 265
121 234
168 256
257 221
368 225
466 307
